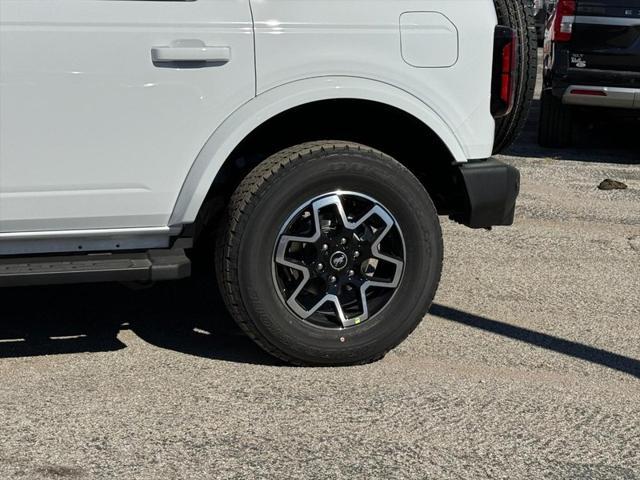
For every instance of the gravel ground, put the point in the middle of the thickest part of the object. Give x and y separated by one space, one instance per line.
527 367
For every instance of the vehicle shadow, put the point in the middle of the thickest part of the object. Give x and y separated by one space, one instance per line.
577 350
189 317
601 139
178 316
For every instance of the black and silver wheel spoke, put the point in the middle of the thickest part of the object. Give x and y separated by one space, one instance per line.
339 259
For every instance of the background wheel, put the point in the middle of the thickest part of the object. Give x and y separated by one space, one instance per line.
331 254
555 128
518 14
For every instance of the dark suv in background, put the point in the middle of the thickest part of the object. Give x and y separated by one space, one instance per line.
591 60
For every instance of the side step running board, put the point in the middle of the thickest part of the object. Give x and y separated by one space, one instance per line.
113 267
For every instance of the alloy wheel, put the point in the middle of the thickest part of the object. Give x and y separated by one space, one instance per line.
338 259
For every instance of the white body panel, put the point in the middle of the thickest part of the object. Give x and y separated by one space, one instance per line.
92 133
96 135
298 39
281 99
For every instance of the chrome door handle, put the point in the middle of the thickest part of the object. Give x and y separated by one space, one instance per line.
184 51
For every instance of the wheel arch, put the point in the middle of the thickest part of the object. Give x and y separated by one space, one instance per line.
220 152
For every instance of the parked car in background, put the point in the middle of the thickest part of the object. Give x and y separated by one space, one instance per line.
591 61
539 13
542 10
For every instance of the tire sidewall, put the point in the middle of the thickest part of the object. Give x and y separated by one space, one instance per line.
401 194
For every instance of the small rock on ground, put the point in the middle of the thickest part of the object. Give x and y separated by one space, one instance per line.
609 184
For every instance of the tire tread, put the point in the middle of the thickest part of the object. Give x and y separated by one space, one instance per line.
243 201
518 14
556 126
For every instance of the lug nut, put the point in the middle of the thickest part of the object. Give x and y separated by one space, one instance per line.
356 254
319 267
332 279
343 241
351 273
325 247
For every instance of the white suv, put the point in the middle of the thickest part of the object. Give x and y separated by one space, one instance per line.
311 143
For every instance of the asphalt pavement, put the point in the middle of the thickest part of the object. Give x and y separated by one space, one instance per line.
528 365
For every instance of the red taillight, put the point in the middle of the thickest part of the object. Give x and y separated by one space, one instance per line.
506 85
504 71
591 93
563 18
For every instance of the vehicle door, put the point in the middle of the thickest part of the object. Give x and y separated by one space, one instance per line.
104 105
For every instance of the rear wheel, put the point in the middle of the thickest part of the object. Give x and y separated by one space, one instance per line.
555 128
518 14
331 254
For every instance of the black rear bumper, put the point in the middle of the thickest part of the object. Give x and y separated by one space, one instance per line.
492 188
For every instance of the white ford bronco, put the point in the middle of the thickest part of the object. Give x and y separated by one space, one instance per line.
308 145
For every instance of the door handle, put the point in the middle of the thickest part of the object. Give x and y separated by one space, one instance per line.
191 51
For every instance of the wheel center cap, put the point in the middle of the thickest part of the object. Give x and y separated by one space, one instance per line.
338 260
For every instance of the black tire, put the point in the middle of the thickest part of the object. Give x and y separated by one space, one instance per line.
555 129
264 202
518 14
